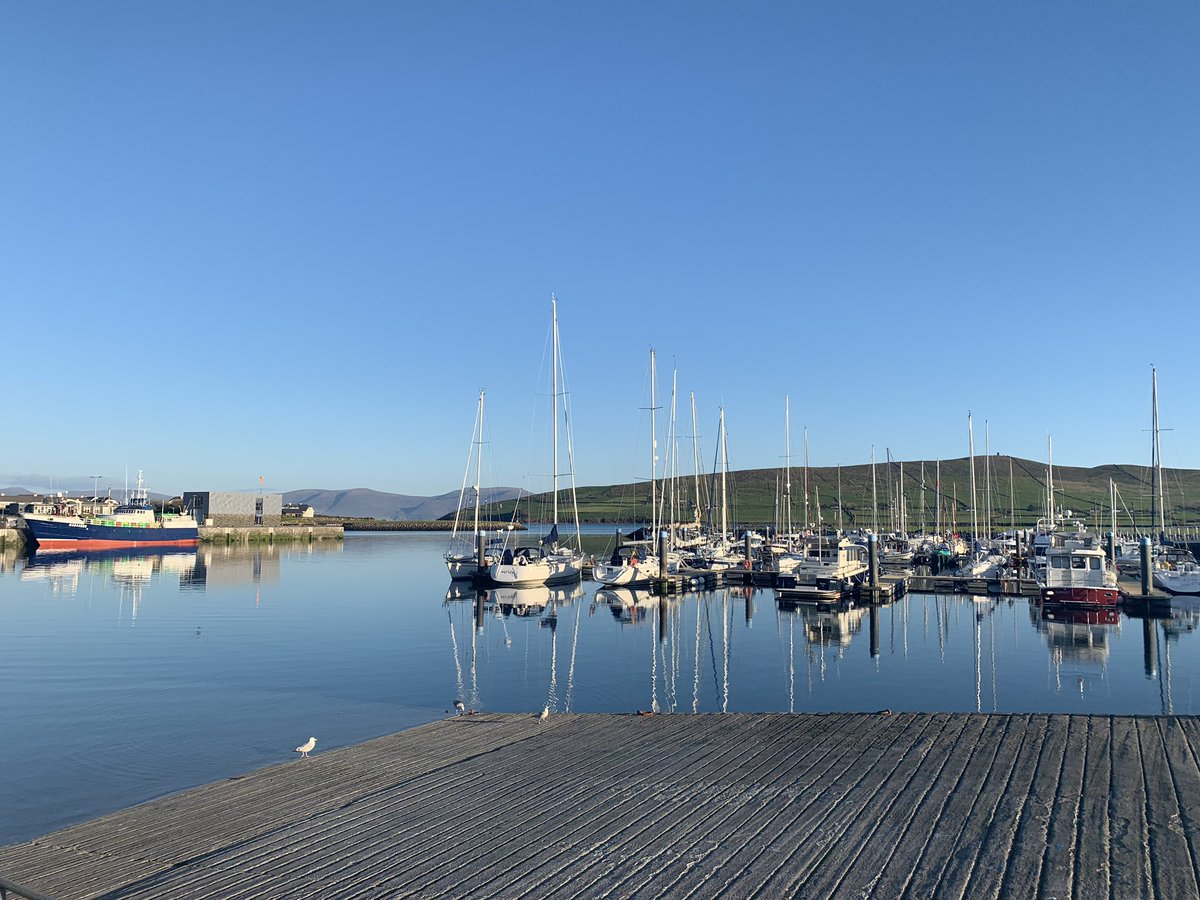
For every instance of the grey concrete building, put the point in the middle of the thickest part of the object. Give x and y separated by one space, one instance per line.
234 508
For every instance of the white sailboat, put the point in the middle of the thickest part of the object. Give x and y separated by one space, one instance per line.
981 563
634 568
719 553
461 557
549 562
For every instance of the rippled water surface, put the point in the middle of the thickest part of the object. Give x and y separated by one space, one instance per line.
127 676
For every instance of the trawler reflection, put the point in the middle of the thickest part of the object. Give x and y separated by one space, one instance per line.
827 624
129 571
1078 641
197 569
1079 635
62 570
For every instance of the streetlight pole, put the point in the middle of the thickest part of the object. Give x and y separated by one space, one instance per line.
96 485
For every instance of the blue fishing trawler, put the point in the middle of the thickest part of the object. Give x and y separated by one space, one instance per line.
132 524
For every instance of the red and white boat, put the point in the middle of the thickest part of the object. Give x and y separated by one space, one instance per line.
1079 576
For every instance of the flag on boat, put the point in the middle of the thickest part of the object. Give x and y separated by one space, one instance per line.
551 538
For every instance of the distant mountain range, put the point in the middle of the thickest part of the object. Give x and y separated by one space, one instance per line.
354 503
364 503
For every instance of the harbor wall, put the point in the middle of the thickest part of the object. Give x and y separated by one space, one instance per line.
12 538
425 525
250 534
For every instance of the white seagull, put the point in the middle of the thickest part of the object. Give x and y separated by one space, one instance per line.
459 707
304 748
545 714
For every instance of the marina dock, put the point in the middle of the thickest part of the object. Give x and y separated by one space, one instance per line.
737 805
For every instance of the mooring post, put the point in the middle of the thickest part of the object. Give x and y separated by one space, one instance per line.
1112 547
873 559
662 556
480 554
746 545
1146 579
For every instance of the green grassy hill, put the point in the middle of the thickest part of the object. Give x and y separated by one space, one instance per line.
752 494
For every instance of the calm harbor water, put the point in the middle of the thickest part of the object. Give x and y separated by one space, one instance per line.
130 675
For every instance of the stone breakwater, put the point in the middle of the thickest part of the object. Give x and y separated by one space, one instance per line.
438 525
266 534
12 538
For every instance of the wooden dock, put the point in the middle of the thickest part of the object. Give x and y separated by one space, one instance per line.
843 805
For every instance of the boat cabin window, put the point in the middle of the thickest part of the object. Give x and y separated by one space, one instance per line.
1078 562
1095 562
1058 562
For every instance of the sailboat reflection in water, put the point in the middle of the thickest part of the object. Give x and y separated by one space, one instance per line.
627 604
526 602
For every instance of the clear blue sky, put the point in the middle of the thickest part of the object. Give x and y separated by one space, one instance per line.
296 238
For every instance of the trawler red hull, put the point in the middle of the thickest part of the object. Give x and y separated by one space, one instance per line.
1081 596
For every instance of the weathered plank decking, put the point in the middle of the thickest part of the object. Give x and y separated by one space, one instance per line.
643 806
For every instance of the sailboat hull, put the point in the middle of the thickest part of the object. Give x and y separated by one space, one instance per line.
534 573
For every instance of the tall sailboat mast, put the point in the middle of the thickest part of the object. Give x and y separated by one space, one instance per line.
724 468
673 456
1157 509
1050 478
891 497
937 497
987 478
839 477
1112 504
787 461
971 451
554 402
807 520
479 464
1012 498
653 455
695 460
922 525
